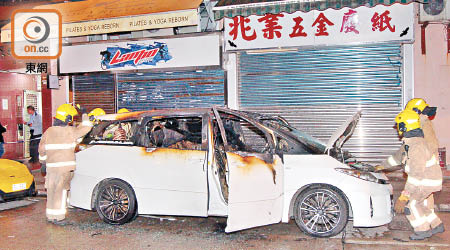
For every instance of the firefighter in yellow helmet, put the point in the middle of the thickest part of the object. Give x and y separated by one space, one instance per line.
425 112
57 150
123 110
424 178
96 112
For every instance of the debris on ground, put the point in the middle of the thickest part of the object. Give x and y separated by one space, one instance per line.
368 232
159 217
95 234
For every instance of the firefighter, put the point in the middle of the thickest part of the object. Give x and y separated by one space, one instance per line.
425 112
123 110
424 178
57 150
96 112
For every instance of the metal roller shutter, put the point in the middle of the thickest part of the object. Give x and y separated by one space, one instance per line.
317 89
158 90
95 91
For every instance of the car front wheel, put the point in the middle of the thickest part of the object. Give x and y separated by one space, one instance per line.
321 211
116 202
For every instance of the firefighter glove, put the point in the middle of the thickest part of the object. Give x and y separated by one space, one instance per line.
400 204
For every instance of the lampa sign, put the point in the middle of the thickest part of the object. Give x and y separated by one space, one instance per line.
180 52
134 55
329 27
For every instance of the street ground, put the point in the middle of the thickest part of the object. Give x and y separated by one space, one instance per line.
25 227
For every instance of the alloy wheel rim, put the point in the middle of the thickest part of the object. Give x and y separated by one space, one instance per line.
114 203
320 212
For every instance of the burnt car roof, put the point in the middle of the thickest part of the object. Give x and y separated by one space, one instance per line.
157 112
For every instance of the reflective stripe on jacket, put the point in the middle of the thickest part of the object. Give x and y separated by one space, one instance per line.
57 146
424 172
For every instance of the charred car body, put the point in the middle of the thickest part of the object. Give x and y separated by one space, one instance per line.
255 170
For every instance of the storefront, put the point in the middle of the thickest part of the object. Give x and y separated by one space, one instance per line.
176 72
317 68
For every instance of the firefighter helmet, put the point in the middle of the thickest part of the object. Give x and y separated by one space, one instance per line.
416 104
65 113
407 120
123 110
96 112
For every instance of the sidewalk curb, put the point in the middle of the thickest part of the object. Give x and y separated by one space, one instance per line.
396 243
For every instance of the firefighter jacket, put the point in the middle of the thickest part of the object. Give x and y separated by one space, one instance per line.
430 137
422 167
58 144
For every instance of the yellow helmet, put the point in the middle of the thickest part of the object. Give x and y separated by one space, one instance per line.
97 112
407 120
123 110
417 105
65 113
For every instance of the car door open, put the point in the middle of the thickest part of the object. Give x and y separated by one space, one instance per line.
255 173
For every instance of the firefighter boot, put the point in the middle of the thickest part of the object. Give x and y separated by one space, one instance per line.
421 235
439 229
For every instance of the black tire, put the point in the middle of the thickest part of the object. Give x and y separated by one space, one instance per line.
321 211
116 202
32 191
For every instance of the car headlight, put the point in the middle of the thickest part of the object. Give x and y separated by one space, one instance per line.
367 176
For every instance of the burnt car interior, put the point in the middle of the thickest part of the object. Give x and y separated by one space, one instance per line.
240 136
112 132
174 132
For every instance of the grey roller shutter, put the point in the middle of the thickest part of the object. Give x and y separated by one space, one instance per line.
95 91
317 89
158 90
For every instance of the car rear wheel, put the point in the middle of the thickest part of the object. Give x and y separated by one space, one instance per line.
321 211
116 202
32 191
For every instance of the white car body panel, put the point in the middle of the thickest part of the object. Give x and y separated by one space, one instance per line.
303 170
256 192
147 173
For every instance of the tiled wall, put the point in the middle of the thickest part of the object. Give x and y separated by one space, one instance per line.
12 86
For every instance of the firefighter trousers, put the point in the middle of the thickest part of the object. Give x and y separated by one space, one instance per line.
421 214
57 182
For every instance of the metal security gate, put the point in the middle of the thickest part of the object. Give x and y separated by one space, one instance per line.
316 90
95 91
159 90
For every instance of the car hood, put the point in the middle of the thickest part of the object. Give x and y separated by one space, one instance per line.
341 135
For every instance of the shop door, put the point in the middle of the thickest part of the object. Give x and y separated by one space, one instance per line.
161 90
95 91
316 90
31 98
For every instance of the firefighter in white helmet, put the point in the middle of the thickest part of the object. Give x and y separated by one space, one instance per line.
57 149
424 178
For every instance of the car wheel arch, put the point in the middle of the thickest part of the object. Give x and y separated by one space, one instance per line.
314 185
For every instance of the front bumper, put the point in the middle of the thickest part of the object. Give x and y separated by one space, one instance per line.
372 204
23 193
